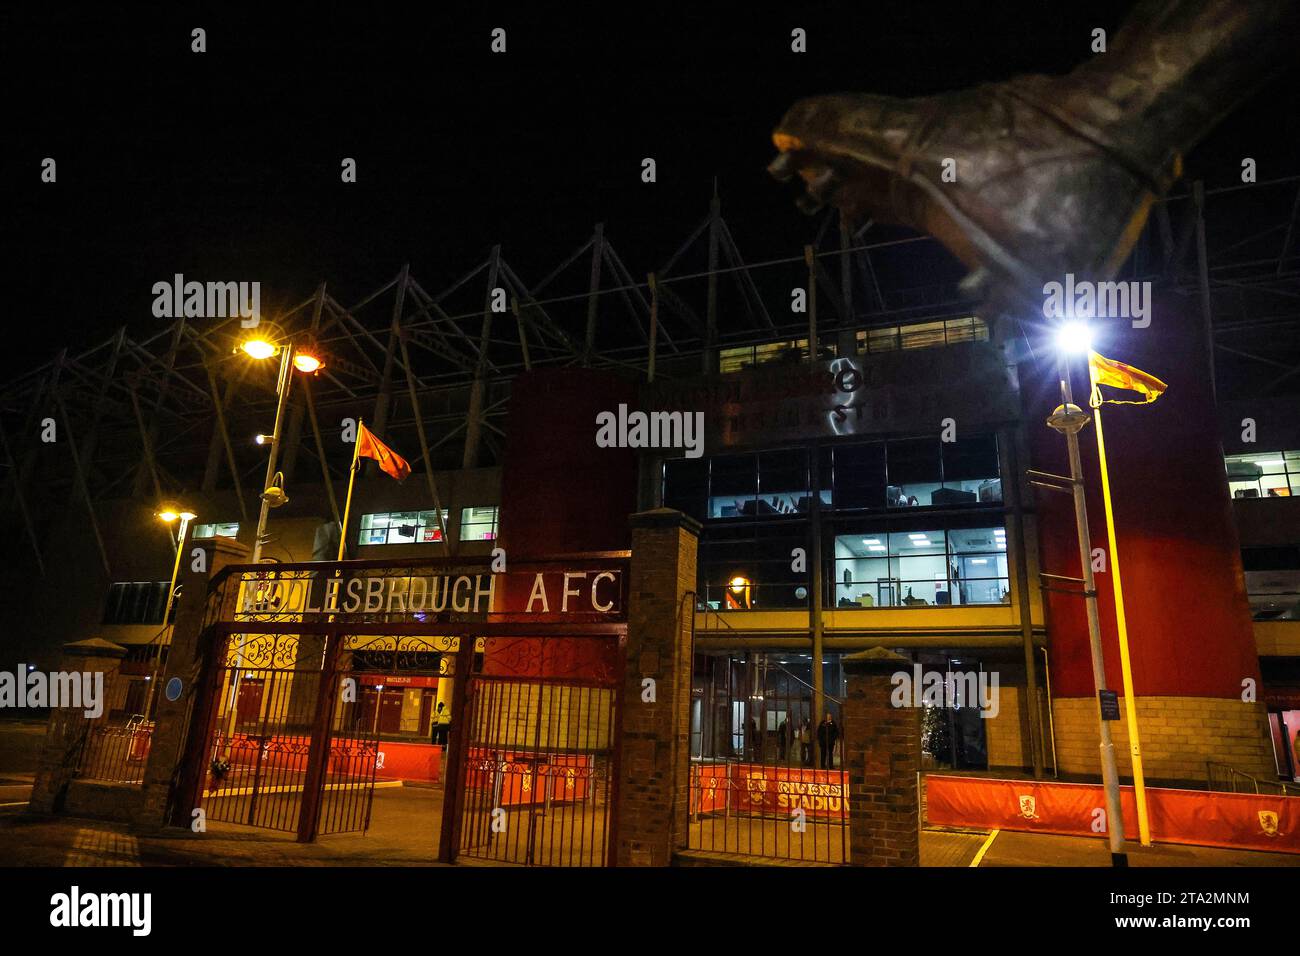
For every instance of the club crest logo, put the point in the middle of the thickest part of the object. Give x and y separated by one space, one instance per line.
1028 807
757 787
1268 822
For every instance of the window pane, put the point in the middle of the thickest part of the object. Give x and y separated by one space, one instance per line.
783 481
860 475
686 486
914 472
970 471
733 488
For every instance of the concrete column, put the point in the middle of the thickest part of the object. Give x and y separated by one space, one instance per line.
188 660
68 726
650 813
882 754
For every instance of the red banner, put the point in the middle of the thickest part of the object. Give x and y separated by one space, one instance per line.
1236 820
778 791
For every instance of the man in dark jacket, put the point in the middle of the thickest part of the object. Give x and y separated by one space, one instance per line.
827 733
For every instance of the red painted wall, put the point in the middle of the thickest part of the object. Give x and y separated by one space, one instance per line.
559 492
1189 623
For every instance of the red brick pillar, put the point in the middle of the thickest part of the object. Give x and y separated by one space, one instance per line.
650 813
189 661
882 754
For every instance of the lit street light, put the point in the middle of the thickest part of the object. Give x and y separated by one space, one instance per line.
1069 419
185 517
307 362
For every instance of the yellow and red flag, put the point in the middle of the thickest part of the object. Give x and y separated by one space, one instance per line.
1106 371
390 462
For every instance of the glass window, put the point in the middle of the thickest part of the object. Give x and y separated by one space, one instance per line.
226 529
922 335
747 566
1273 582
136 602
1264 474
733 486
970 471
860 475
914 471
783 481
917 568
478 524
686 486
401 527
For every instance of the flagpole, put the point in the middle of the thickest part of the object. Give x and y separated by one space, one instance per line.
352 478
1121 625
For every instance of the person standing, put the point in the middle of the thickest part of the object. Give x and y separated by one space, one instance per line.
827 733
783 739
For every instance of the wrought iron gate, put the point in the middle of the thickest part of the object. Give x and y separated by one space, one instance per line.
540 758
284 752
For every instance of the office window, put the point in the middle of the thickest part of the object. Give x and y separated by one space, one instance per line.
917 472
747 566
922 335
1273 582
733 486
970 472
1264 474
401 527
225 529
914 472
478 524
860 475
136 602
916 568
789 352
686 486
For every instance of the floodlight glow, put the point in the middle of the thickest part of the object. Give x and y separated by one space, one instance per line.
258 348
1074 338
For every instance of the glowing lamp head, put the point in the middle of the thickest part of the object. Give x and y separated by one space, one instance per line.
306 362
258 348
188 515
739 584
168 516
261 439
1074 338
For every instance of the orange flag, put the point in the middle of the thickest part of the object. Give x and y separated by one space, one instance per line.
390 462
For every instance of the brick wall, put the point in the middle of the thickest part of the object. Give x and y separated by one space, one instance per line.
650 816
1179 734
882 756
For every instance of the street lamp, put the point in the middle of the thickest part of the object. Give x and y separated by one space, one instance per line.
304 360
168 515
1069 419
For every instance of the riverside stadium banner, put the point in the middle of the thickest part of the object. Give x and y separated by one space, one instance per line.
1245 821
911 389
758 789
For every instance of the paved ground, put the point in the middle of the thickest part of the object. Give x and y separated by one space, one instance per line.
405 822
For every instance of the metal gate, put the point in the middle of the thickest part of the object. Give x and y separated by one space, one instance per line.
284 750
539 762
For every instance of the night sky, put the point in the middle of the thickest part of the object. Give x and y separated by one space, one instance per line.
225 165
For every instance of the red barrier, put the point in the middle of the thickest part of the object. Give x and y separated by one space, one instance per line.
1235 820
569 776
399 761
755 788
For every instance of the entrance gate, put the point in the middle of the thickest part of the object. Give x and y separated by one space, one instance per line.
284 742
278 735
540 759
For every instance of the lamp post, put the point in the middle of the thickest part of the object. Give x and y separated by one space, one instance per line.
185 517
273 495
1069 419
